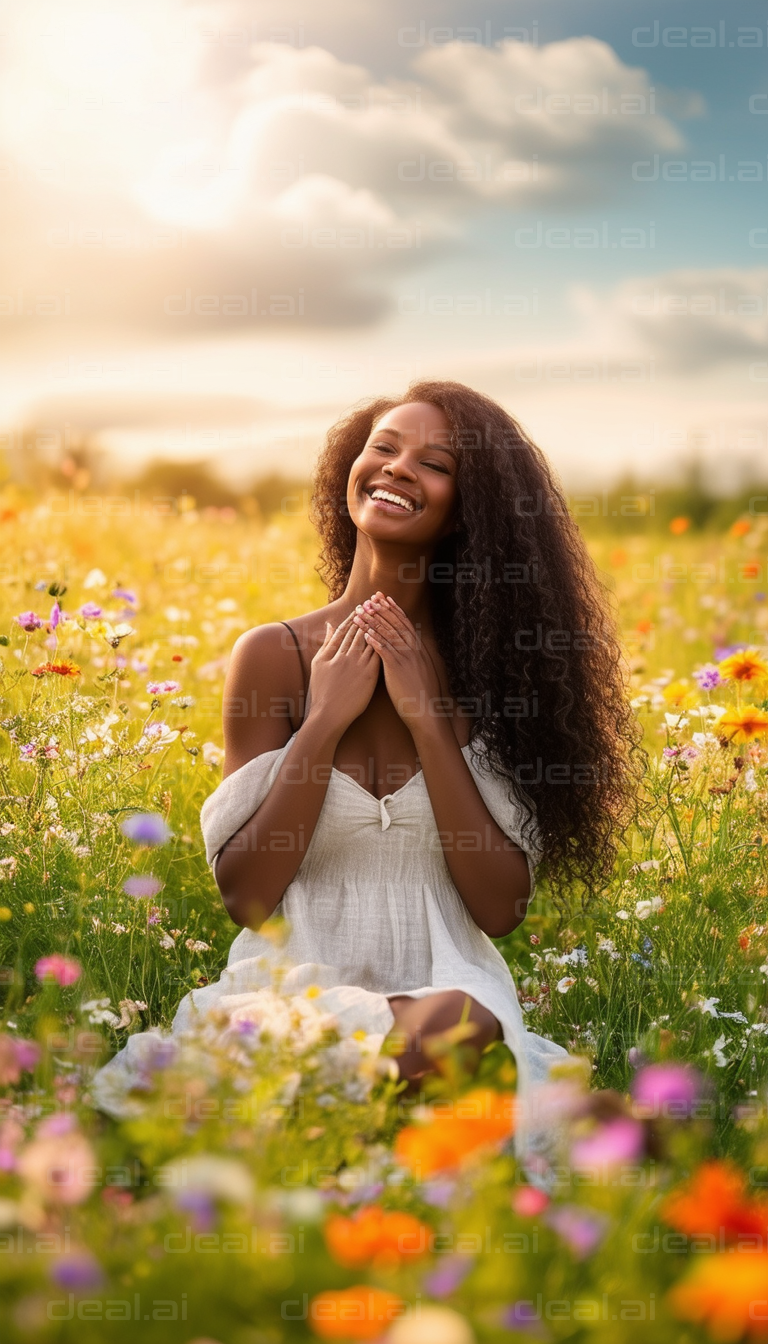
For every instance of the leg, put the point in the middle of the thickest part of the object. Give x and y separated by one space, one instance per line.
417 1020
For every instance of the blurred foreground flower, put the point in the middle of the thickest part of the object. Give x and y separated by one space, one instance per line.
580 1229
480 1119
354 1313
16 1057
142 886
666 1089
715 1203
431 1325
376 1235
146 828
64 970
58 1166
726 1293
29 621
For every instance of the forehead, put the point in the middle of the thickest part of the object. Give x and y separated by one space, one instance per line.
416 423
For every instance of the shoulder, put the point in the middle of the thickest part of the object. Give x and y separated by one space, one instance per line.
263 694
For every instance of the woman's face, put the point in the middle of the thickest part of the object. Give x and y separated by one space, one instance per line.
402 487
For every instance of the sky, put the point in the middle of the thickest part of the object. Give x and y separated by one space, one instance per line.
222 224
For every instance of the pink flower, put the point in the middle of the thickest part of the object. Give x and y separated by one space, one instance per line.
64 970
163 687
29 621
90 611
56 615
580 1229
609 1145
529 1202
666 1089
59 1168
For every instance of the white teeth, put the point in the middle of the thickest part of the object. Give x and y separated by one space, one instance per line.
394 499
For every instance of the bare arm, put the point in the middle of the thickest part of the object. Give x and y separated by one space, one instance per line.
489 871
255 866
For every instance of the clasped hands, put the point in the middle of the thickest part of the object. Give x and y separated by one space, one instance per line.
409 672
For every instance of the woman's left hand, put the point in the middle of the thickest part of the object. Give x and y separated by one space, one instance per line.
409 672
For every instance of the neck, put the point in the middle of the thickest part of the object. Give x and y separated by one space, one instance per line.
399 572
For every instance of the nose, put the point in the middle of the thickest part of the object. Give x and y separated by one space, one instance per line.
398 467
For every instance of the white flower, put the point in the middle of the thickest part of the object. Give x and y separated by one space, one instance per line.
565 984
648 864
99 1011
209 1174
676 721
708 1006
764 968
95 578
607 946
750 782
622 914
578 957
717 1053
196 945
645 908
166 942
212 754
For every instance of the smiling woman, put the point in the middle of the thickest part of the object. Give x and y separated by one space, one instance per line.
408 759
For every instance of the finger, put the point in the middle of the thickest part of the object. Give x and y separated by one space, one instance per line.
340 631
399 638
379 643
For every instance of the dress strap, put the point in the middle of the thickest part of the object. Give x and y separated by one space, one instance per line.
304 679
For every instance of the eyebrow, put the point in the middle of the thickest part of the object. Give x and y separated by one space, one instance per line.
398 434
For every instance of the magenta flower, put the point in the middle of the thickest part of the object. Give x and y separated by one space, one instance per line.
666 1089
91 611
28 751
163 687
581 1230
29 621
64 970
55 616
27 1054
609 1145
146 828
142 886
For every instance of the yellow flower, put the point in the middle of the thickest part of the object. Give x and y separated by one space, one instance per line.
746 665
5 914
741 725
312 991
680 693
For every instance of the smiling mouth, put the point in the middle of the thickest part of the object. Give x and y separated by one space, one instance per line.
390 497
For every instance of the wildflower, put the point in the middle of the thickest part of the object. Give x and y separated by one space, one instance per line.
126 595
645 908
717 1053
619 1140
669 1089
208 1174
581 1230
708 677
741 725
29 621
59 1163
375 1235
95 578
429 1324
63 669
744 665
56 616
722 1292
354 1313
146 828
679 525
715 1202
481 1119
196 945
212 754
77 1271
529 1202
99 1012
142 886
90 611
64 970
16 1057
565 984
163 687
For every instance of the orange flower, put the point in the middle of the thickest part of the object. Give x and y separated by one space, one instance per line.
741 725
644 627
618 557
478 1120
354 1313
741 527
750 570
715 1203
679 525
63 669
728 1294
373 1234
745 665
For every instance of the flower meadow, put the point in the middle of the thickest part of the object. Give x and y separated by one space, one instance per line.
270 1182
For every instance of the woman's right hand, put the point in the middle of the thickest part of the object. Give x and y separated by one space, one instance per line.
343 675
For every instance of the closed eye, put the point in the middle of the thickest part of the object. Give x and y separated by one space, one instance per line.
438 466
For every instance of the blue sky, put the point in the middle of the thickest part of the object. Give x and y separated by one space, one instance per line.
226 222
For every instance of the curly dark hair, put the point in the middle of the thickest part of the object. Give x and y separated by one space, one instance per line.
524 624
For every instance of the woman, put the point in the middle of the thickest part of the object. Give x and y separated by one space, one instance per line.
399 760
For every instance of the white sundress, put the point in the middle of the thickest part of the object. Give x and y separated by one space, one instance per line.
373 912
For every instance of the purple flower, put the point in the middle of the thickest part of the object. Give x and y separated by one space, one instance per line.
438 1193
199 1204
581 1230
525 1316
29 621
55 616
727 650
146 828
139 665
670 753
28 751
91 611
142 886
121 660
449 1275
618 1141
77 1271
126 595
707 677
666 1089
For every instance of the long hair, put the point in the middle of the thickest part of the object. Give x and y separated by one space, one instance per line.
524 625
